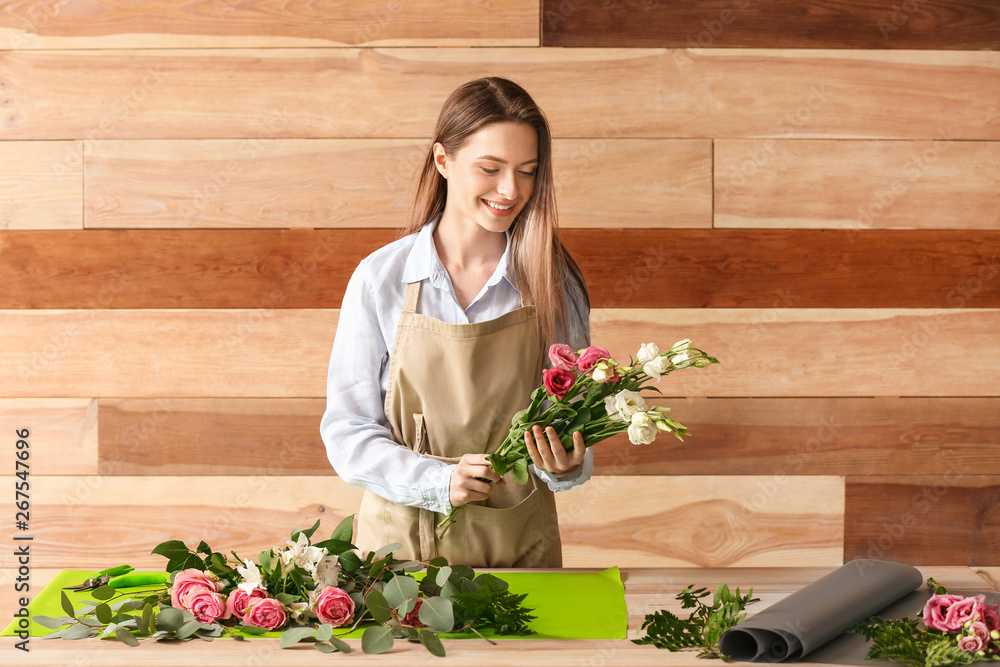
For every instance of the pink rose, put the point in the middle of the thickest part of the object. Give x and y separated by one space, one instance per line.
979 629
991 616
589 358
413 618
187 580
266 613
206 606
333 606
971 643
557 381
964 610
936 610
239 600
562 356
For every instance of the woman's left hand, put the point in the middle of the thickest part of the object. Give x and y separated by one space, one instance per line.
550 455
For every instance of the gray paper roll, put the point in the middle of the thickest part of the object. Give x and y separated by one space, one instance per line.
805 620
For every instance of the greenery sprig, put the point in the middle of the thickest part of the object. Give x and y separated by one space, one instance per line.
383 593
703 627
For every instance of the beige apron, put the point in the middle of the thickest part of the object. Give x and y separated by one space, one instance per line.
452 390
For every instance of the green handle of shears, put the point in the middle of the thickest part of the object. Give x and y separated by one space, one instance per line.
115 571
139 579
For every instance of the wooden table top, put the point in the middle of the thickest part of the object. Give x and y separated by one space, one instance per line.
646 590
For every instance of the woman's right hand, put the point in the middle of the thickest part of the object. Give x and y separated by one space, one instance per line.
467 480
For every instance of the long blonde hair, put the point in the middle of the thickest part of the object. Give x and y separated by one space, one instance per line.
538 254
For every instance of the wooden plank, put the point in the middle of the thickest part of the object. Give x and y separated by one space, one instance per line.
778 352
793 24
816 436
91 521
946 518
41 24
857 184
688 521
212 437
600 182
398 93
635 268
62 434
765 436
42 183
663 521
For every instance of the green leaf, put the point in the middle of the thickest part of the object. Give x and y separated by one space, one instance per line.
344 530
378 606
172 549
387 549
442 576
376 639
323 647
103 593
253 630
67 605
437 614
125 637
264 558
309 531
103 613
49 622
349 561
431 641
520 471
203 548
147 618
341 645
295 635
187 629
78 632
170 619
324 632
335 547
398 589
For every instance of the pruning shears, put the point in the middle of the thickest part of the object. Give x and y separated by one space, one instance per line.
119 577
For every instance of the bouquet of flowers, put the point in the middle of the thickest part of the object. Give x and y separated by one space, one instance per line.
590 392
310 591
951 630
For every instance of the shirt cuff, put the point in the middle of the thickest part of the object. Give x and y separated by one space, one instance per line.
437 490
584 472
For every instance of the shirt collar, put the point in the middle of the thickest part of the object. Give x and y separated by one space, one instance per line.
423 261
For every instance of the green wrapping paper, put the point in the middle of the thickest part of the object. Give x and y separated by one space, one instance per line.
567 605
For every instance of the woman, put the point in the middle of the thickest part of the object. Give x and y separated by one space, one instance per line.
442 338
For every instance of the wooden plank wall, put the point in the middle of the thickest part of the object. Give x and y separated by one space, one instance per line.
808 189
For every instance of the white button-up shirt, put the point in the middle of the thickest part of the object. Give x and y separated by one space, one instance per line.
355 429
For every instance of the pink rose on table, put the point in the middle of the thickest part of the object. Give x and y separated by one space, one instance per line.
979 629
562 356
206 606
266 613
333 606
557 381
189 580
971 643
589 358
966 609
239 600
413 618
936 611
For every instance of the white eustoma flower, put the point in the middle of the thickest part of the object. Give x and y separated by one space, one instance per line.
656 367
603 372
642 430
681 360
624 404
647 352
251 577
681 345
327 572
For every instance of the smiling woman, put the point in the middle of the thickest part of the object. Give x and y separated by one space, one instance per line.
443 334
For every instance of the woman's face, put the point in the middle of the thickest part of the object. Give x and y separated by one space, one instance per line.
492 177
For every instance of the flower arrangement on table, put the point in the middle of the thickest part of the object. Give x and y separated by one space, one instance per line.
590 392
314 592
951 630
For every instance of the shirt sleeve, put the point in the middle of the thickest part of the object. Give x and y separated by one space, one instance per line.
355 429
577 336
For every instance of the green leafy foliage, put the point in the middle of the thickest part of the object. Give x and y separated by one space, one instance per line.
451 598
703 627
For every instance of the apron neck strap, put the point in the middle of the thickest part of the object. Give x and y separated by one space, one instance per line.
411 297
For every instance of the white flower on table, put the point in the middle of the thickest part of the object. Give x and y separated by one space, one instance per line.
301 554
251 577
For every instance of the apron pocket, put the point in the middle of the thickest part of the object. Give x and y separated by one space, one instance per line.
509 537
